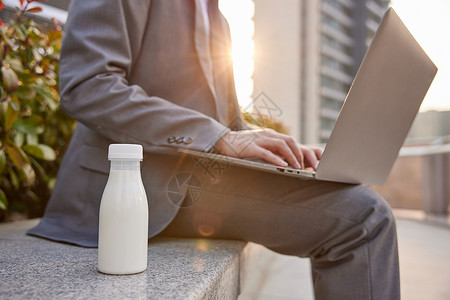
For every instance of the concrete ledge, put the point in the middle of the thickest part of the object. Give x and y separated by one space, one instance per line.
33 268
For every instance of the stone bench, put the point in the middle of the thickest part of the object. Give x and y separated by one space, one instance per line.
33 268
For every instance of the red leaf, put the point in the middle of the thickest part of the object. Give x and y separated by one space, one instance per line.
34 9
1 5
21 3
1 22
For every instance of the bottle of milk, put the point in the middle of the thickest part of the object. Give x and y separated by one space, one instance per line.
123 227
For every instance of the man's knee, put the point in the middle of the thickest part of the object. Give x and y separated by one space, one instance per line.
363 216
376 212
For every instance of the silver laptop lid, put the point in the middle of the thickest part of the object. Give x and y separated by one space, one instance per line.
380 107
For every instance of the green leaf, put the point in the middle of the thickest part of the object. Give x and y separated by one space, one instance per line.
51 183
19 139
37 55
2 161
10 116
29 174
15 155
50 96
26 93
39 169
2 49
14 179
14 105
16 64
3 94
3 201
3 108
49 153
32 139
40 151
10 80
34 151
20 31
30 125
11 43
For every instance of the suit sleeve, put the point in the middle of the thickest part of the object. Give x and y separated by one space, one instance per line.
100 45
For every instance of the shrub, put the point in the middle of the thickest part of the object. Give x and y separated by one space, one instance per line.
263 121
34 132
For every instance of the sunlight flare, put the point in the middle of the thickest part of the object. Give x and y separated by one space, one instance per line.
239 14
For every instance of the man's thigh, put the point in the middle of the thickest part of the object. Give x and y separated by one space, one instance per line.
286 214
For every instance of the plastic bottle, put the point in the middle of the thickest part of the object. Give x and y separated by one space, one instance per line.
123 227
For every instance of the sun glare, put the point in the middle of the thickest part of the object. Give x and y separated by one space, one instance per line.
429 23
239 14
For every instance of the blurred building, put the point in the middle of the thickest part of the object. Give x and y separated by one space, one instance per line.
306 55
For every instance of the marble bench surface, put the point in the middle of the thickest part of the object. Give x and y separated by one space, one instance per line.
33 268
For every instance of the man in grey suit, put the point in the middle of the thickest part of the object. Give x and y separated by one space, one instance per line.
157 73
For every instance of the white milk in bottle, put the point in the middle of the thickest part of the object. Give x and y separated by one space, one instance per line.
123 227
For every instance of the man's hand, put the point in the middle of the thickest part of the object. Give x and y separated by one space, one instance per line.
269 145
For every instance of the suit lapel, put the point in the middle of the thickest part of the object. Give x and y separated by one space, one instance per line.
220 47
202 46
214 59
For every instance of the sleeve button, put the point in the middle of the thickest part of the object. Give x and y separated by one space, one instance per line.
187 140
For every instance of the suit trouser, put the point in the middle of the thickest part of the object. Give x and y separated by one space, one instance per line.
348 231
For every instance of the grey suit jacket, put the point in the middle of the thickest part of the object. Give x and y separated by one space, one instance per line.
136 72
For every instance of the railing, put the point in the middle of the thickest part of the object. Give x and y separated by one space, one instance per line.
439 145
48 12
435 174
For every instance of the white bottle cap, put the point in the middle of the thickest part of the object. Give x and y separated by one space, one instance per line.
125 151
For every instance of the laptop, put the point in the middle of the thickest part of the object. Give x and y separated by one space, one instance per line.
377 114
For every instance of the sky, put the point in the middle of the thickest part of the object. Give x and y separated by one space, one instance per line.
429 22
